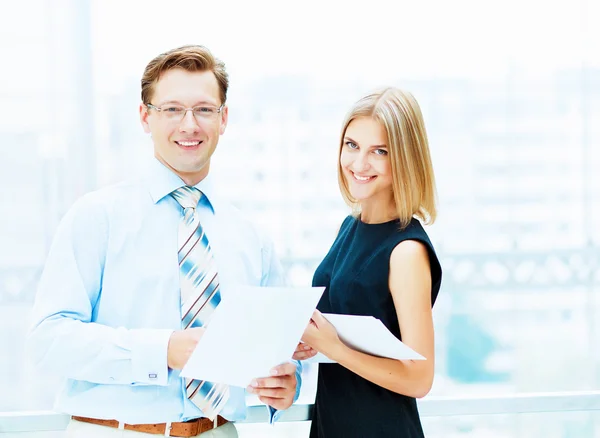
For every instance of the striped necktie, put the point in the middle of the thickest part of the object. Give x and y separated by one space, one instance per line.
200 292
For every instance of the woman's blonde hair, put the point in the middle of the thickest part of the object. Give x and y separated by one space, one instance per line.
412 172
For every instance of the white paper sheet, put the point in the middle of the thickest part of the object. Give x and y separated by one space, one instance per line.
368 335
252 330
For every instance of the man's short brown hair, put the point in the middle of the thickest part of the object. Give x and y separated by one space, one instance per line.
191 58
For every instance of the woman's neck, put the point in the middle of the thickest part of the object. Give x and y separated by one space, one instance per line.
378 212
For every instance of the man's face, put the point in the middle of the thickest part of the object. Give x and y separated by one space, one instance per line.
185 143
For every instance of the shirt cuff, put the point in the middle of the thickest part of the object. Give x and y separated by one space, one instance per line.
298 380
274 414
149 356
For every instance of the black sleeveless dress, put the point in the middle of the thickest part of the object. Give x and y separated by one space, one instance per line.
355 273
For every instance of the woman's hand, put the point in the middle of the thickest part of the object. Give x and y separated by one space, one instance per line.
304 351
321 336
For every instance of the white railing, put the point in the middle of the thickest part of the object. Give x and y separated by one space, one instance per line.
38 421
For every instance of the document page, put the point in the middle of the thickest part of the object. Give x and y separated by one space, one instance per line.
368 335
252 330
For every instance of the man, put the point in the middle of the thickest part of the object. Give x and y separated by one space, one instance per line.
135 272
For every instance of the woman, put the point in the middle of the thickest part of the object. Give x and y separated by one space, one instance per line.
381 264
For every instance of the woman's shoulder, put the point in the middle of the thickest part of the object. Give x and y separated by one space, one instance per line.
414 230
347 222
406 245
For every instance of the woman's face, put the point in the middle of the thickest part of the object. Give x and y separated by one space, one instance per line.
365 161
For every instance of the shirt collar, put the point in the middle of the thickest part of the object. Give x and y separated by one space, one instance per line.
161 181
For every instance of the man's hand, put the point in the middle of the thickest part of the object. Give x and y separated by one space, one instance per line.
277 391
181 345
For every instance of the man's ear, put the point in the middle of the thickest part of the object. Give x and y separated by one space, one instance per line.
144 118
224 119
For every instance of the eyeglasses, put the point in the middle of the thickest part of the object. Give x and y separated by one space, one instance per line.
176 113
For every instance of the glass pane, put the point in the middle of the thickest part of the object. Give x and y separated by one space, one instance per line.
547 425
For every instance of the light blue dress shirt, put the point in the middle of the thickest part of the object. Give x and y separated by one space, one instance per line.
108 299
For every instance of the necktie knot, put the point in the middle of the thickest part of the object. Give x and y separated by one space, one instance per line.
187 197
